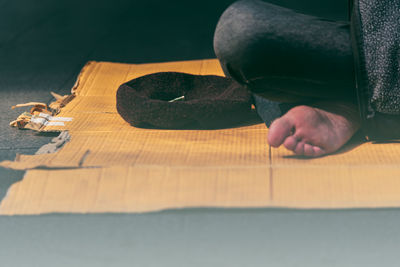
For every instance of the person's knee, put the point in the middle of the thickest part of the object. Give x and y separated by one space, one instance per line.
234 30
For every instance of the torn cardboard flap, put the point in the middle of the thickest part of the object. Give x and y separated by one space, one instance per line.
110 166
46 161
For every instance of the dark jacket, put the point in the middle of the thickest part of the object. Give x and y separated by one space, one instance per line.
375 32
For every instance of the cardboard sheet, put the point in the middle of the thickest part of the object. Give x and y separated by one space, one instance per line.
110 166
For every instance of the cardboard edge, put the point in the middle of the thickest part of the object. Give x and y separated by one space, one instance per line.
82 73
217 208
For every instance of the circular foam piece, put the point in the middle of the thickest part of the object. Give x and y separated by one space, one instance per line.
204 102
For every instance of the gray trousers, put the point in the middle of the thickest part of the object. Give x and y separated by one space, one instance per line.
285 56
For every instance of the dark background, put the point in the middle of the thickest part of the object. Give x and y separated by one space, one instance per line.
43 46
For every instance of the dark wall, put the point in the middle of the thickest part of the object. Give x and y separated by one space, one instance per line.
51 37
124 29
330 9
43 44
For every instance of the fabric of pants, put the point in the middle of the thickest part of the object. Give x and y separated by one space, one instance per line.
285 56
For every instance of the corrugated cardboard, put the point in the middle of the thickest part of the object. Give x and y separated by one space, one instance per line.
110 166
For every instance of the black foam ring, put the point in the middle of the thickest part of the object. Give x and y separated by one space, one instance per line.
209 101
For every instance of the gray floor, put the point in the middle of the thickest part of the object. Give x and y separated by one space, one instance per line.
43 47
264 237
